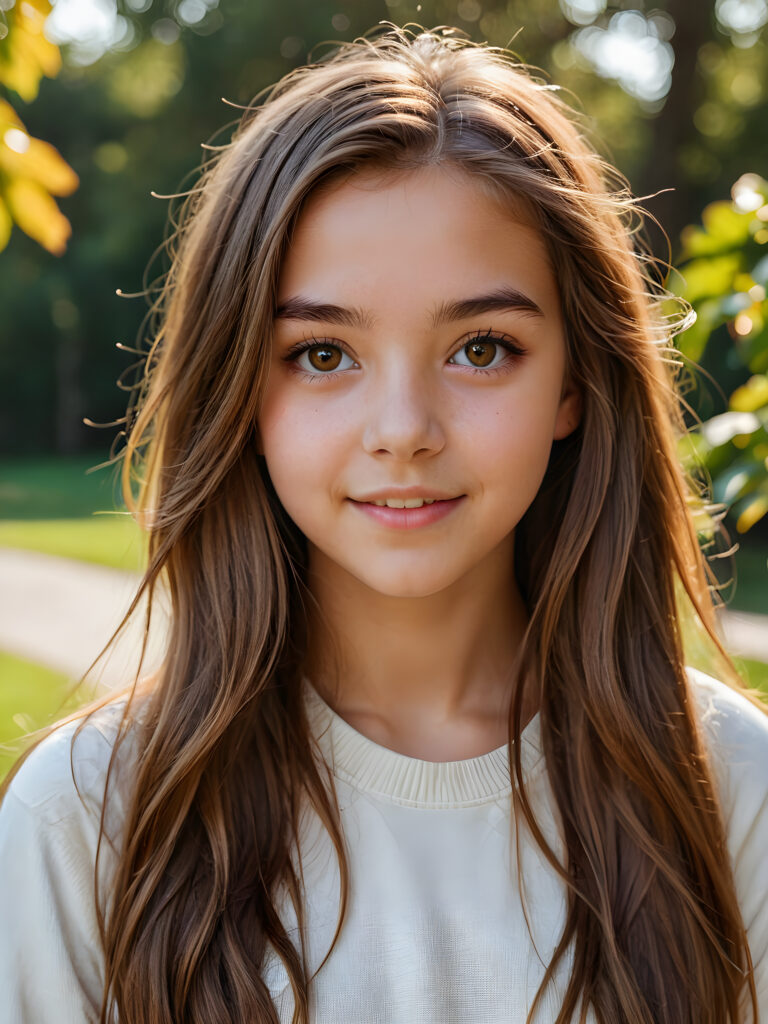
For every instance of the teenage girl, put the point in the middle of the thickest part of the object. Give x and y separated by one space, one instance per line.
424 748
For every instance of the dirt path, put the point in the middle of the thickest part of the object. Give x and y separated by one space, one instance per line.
746 634
60 613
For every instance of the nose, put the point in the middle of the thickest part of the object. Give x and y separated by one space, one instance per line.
402 419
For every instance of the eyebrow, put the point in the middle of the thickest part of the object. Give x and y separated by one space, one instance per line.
505 299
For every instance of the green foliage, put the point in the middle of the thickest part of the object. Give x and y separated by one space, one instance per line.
31 170
132 122
57 488
724 275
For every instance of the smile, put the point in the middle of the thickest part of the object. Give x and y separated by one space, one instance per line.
410 513
403 502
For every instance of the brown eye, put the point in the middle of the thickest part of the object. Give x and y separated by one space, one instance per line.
480 353
320 358
324 357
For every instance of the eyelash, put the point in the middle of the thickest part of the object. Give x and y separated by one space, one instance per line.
513 350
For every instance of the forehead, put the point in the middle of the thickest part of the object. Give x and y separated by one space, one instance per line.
375 178
434 231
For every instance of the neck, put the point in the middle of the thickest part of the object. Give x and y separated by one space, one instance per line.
432 676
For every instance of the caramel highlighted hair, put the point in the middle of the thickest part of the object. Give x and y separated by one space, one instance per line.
606 557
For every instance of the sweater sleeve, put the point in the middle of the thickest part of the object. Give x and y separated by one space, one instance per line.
51 962
736 733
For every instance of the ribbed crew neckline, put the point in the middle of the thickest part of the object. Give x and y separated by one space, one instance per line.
388 775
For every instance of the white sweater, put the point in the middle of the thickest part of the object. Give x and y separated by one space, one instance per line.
435 933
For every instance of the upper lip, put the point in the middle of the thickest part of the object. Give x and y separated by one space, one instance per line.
403 493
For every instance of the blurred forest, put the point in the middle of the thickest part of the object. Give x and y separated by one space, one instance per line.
675 93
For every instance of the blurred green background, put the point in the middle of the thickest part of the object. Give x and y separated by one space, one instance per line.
104 102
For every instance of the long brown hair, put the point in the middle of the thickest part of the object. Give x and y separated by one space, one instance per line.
605 558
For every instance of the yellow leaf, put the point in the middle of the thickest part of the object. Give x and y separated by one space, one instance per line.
37 215
751 396
742 283
22 78
5 225
754 511
38 160
8 117
41 6
32 169
36 44
28 53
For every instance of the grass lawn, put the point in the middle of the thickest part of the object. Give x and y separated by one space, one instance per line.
701 653
754 673
54 505
31 696
48 504
111 539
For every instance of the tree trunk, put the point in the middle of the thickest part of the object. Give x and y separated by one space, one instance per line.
673 127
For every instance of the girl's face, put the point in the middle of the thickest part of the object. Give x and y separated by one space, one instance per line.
418 351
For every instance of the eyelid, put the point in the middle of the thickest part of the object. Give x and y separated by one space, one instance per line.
510 345
312 342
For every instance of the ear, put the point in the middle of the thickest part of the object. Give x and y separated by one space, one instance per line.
569 412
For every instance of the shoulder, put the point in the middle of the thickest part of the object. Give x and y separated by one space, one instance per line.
735 733
63 777
51 960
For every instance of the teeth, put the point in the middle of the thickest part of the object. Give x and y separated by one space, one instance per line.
407 503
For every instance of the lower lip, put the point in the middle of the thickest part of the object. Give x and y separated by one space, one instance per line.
409 518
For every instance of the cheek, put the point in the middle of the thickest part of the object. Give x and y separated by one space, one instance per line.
512 436
302 444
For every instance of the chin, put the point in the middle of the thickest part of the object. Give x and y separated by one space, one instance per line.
406 585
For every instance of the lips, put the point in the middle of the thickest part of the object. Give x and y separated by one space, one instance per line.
407 494
409 518
402 502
